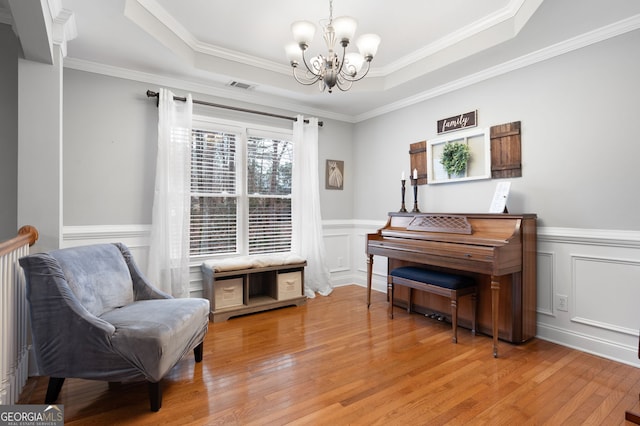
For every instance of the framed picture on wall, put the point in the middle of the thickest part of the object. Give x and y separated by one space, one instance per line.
476 143
334 175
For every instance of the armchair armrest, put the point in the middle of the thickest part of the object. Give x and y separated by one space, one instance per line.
142 288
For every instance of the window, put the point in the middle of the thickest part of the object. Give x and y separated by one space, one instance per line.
214 204
240 190
269 188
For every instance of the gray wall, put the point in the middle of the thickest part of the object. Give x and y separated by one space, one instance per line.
109 150
580 147
9 51
110 136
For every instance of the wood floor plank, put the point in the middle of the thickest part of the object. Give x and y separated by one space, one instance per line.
334 362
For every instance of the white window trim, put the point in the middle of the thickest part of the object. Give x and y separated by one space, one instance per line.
243 129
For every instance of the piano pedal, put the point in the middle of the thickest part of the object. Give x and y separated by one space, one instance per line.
436 316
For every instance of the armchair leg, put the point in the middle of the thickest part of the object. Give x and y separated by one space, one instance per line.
53 390
155 396
197 351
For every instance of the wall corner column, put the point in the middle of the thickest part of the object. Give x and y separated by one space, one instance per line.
40 115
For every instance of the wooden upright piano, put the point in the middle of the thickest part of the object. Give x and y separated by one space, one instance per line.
497 250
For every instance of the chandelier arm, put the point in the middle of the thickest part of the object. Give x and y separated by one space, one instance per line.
348 78
344 54
318 74
343 83
308 82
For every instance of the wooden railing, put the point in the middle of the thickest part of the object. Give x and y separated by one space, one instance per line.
14 345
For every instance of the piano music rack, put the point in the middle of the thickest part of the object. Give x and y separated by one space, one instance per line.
433 222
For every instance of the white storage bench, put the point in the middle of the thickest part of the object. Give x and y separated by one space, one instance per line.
248 284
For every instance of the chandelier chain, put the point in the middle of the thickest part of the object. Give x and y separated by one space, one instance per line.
330 11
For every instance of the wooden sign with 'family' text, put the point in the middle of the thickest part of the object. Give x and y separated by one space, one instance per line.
457 122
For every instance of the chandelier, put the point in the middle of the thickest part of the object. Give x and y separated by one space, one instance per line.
333 69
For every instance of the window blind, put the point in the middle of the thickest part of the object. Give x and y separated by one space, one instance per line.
269 167
214 204
227 218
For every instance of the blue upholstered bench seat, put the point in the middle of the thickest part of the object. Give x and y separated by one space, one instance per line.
435 282
440 279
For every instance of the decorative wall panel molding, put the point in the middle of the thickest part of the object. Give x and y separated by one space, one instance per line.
338 254
606 293
545 287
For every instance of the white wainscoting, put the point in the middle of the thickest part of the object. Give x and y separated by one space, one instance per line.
136 237
597 270
599 273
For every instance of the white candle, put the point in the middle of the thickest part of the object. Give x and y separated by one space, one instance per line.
415 173
402 176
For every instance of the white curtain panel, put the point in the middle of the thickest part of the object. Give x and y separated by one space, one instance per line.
307 239
168 265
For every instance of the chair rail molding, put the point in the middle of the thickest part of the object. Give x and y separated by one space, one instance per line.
606 237
570 260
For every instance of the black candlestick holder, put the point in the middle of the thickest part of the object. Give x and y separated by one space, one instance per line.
403 209
414 182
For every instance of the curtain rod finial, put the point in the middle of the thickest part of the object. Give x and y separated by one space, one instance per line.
152 94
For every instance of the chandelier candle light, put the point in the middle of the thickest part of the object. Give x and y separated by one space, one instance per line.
331 70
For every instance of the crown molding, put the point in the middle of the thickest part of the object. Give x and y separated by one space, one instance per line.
621 27
207 89
64 29
151 16
157 12
231 55
601 34
515 11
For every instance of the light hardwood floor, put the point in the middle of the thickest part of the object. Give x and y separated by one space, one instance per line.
332 362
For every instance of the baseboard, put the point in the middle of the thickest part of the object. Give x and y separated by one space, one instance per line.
588 343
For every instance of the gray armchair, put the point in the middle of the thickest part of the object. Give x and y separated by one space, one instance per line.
94 316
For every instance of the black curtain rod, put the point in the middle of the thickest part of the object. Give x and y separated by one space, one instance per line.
152 94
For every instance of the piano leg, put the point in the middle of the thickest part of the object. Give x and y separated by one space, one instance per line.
369 276
495 299
390 293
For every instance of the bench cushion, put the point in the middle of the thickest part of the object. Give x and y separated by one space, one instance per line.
427 276
254 261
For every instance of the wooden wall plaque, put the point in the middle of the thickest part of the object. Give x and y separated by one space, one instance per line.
506 154
418 156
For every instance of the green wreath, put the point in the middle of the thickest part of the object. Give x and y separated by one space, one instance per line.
455 157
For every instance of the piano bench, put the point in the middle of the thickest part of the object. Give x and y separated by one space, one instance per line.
435 282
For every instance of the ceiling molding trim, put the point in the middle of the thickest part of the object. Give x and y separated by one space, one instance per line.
207 89
525 11
629 24
63 28
157 12
231 55
508 12
514 11
604 33
139 12
33 26
161 16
